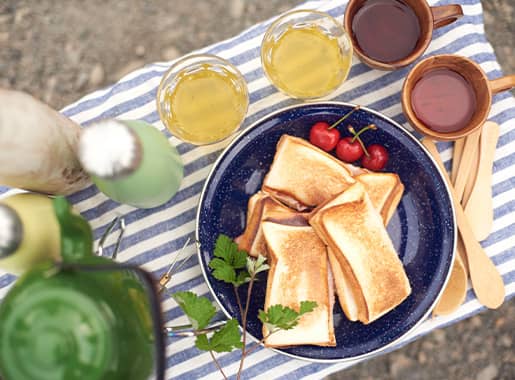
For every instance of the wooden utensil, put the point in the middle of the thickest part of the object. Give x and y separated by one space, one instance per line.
479 208
456 158
470 151
456 289
472 177
486 280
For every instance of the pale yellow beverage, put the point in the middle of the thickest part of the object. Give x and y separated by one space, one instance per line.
204 102
306 60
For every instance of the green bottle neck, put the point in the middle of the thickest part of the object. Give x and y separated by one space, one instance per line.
76 234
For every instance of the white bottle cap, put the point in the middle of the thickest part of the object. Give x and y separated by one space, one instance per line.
109 149
11 231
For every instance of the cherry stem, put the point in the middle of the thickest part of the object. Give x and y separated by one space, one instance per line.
356 137
344 117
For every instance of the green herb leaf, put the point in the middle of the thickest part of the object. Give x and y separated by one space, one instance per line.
227 250
239 259
222 271
199 310
307 307
284 317
202 342
242 278
225 339
255 266
228 259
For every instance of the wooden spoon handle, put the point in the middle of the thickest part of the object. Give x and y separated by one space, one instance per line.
479 208
456 158
471 180
486 280
470 151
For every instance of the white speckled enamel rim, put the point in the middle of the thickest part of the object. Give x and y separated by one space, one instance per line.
437 169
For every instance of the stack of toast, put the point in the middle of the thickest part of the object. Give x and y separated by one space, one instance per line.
321 224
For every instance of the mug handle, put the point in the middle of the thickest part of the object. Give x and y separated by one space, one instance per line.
502 84
446 14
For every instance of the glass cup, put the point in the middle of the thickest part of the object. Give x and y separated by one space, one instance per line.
306 54
202 99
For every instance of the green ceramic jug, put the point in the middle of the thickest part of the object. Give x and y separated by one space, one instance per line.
86 317
131 162
29 232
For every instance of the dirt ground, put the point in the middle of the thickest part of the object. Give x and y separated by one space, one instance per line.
62 50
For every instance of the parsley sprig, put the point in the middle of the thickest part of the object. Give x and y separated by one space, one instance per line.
229 263
279 317
199 310
233 266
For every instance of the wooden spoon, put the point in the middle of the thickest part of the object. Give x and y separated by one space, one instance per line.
456 289
479 208
486 280
456 158
471 179
470 151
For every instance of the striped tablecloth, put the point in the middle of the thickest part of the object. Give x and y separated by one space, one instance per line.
154 236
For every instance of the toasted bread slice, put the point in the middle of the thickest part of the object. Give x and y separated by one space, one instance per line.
299 271
370 267
262 206
254 213
391 206
347 288
303 176
351 194
385 191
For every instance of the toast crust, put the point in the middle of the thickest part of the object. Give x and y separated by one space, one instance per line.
299 272
355 234
384 190
370 253
395 199
347 288
263 206
254 215
303 176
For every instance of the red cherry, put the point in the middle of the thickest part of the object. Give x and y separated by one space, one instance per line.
377 157
348 150
323 137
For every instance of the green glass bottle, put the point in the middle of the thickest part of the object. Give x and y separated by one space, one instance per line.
84 318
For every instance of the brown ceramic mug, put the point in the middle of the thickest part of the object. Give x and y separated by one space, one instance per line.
429 18
483 89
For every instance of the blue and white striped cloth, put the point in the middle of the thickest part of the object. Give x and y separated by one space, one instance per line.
154 237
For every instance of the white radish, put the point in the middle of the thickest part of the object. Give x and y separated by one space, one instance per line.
38 146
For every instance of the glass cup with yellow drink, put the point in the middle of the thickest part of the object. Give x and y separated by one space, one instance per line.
306 54
202 99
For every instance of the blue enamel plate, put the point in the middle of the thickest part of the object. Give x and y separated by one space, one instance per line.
423 228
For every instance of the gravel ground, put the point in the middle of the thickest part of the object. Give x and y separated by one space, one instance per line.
62 50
